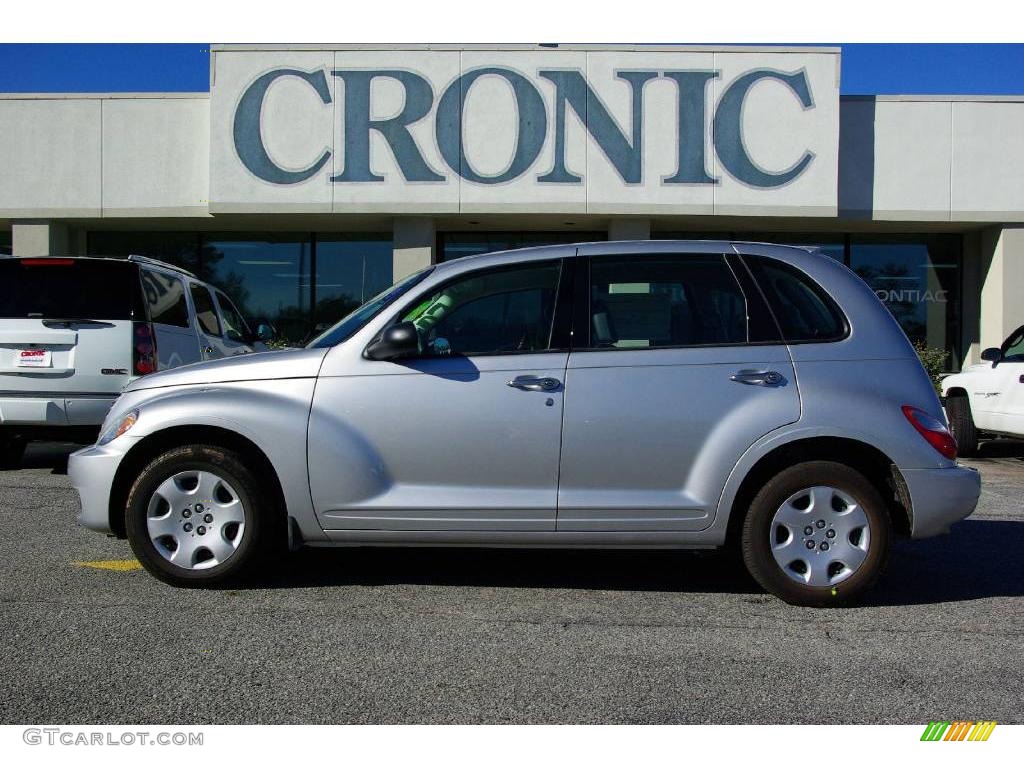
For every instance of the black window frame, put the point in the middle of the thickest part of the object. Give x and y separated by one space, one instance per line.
830 304
561 321
581 314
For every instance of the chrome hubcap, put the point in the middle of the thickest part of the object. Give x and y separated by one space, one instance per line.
820 536
195 519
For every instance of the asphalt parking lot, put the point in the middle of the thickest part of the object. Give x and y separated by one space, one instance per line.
496 636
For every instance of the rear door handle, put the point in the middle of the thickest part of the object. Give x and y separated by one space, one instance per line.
761 378
535 383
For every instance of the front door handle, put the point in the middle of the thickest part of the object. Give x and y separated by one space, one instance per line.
761 378
535 383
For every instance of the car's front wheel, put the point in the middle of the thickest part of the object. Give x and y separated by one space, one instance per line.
198 516
817 534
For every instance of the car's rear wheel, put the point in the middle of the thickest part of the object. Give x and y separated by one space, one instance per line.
198 516
12 449
961 422
817 534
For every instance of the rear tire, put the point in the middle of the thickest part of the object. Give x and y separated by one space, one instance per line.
961 422
197 516
817 534
12 449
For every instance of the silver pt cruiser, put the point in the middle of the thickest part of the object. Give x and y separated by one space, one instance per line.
634 394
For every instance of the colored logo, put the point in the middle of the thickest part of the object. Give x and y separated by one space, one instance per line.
958 730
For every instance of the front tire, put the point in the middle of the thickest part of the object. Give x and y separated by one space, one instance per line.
197 516
961 422
817 535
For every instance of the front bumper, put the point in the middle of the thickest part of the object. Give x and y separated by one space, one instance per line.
940 497
92 473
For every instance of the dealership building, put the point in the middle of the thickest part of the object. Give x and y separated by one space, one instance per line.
311 177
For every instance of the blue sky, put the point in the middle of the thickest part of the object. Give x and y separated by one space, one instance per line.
867 68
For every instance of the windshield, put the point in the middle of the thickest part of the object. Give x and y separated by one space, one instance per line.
348 325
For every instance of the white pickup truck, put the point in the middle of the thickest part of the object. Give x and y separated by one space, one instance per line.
988 397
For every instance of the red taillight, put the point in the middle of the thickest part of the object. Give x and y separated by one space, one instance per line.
932 430
47 262
143 348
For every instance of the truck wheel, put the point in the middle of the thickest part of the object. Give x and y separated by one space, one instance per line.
817 534
961 422
197 516
12 449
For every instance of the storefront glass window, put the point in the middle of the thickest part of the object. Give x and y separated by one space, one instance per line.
180 249
300 282
349 271
266 276
832 246
918 279
454 245
691 235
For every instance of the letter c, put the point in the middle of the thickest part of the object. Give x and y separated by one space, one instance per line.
728 131
248 134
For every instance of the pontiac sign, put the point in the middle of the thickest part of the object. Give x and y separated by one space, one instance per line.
491 130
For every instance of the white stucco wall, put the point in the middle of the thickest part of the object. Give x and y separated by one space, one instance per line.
918 158
50 157
104 156
156 159
913 159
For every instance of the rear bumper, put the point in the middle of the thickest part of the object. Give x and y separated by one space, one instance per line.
55 410
940 497
92 473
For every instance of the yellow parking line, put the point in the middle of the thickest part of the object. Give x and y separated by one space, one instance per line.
111 565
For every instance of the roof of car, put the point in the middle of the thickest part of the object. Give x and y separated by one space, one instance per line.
602 247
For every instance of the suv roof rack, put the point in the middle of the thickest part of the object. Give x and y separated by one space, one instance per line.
134 257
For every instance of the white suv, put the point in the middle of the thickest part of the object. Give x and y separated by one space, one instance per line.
988 397
74 331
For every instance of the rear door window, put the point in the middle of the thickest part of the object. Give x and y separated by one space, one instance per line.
165 297
802 308
68 289
665 301
206 312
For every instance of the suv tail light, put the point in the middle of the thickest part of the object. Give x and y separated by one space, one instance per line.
932 430
47 262
143 348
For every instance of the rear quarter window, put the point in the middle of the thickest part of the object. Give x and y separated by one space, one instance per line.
165 298
804 311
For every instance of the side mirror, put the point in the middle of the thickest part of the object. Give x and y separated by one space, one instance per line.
400 340
265 332
992 355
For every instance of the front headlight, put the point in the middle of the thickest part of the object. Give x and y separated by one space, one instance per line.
122 425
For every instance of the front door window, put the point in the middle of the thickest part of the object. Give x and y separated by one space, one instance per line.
495 312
